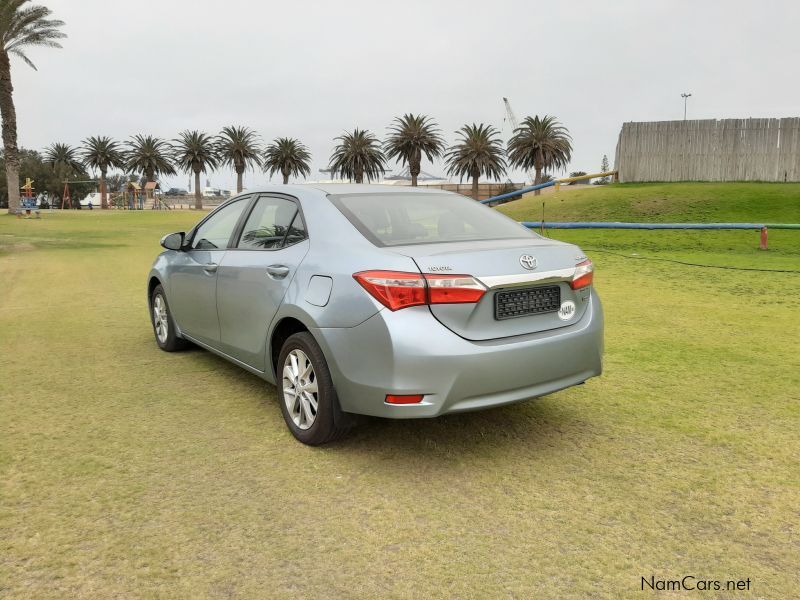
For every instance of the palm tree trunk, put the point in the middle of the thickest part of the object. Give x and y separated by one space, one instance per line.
103 190
285 178
538 179
475 185
239 180
9 114
359 175
414 168
198 196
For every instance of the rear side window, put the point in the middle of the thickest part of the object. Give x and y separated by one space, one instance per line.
402 219
216 231
273 223
297 231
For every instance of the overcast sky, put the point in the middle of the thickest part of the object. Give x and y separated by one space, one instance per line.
311 69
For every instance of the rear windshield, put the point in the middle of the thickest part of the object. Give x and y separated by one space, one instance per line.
402 219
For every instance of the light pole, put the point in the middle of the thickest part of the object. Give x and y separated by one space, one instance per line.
685 97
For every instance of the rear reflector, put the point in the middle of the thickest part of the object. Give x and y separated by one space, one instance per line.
584 275
396 290
390 399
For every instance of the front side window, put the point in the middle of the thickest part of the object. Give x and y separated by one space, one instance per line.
399 219
216 231
273 223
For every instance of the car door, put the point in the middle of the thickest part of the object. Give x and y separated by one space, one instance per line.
193 281
254 276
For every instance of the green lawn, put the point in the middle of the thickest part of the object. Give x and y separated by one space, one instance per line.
128 472
667 202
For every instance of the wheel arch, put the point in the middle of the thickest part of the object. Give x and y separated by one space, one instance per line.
286 327
152 283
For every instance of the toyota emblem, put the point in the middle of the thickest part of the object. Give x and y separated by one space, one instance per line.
528 261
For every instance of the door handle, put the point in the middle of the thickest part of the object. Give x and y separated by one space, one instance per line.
210 267
277 271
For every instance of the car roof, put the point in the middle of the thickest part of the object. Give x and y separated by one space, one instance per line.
348 188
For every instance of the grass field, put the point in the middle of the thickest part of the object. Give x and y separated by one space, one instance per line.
128 472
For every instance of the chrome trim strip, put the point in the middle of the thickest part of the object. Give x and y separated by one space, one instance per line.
494 282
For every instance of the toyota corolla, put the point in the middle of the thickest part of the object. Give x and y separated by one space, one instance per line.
372 300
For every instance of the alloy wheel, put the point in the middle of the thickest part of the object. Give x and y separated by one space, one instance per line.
160 319
300 392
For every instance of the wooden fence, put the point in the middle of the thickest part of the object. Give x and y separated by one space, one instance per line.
710 150
485 190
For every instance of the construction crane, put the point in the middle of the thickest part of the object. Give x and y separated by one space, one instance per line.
512 120
510 116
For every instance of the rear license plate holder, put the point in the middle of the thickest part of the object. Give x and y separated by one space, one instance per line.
512 304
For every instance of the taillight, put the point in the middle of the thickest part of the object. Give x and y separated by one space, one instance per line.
584 275
396 290
392 289
454 289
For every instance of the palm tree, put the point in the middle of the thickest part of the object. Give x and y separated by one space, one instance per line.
238 147
358 154
148 155
64 159
288 156
196 153
540 144
21 27
478 152
412 136
102 153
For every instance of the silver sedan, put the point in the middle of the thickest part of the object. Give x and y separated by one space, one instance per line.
373 300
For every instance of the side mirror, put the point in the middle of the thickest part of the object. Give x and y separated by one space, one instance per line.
173 241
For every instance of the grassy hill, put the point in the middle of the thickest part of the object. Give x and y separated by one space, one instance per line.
666 202
680 203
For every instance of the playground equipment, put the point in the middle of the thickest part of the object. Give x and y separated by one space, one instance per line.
153 194
28 203
27 189
66 199
134 195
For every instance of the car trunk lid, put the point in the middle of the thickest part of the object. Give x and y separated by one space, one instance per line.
527 281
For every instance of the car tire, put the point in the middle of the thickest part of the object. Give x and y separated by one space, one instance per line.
300 386
163 325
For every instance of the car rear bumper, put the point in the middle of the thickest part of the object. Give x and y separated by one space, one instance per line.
409 352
